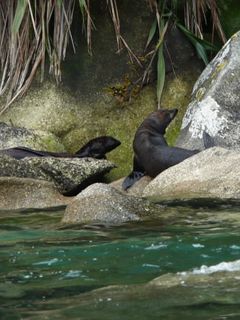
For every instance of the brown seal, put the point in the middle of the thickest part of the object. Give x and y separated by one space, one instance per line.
152 154
95 148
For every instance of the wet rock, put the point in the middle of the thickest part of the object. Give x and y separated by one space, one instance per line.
70 175
101 203
215 102
18 193
212 173
180 291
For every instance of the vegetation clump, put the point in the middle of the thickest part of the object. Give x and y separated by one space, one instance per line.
37 34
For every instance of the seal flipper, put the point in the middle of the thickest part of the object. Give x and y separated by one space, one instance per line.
208 141
134 176
23 152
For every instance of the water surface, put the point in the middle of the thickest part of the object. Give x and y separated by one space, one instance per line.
186 266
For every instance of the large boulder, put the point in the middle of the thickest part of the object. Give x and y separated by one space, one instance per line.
212 173
101 203
18 194
215 102
37 139
69 175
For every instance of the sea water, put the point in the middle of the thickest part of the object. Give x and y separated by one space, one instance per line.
184 267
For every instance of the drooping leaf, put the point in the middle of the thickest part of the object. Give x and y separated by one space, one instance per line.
161 62
160 74
208 45
201 51
19 14
83 6
151 32
200 45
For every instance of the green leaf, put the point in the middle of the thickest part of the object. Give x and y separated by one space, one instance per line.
83 6
200 45
160 74
151 32
161 62
201 51
19 14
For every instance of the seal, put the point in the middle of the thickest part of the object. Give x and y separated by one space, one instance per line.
95 148
152 154
98 147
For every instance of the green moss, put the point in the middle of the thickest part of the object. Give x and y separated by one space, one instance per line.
217 69
125 120
200 94
50 142
44 108
177 94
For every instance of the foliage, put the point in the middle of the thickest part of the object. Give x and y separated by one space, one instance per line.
34 32
194 16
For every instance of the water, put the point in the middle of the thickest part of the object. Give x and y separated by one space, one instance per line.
184 266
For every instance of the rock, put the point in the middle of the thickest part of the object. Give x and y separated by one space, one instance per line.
101 203
35 139
18 193
212 173
69 175
182 292
215 102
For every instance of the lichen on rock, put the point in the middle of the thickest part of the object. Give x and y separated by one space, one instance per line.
214 107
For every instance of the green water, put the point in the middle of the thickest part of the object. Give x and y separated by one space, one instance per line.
48 271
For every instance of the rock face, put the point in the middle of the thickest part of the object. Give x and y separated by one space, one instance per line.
215 105
101 203
18 193
212 173
36 139
68 175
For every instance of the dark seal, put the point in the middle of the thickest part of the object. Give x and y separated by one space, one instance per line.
95 148
152 154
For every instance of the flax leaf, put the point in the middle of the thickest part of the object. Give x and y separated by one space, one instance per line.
19 14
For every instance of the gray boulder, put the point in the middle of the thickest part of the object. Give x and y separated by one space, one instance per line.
101 203
17 194
69 175
212 173
215 102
